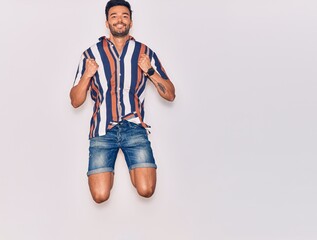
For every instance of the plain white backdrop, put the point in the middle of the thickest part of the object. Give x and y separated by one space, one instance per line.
236 151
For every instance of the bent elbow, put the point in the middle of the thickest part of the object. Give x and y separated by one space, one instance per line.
74 100
171 98
76 104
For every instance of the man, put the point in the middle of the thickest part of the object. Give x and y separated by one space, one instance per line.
116 70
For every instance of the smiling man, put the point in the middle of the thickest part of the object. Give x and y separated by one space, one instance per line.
115 71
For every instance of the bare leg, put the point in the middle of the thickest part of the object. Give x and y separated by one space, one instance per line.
100 185
144 180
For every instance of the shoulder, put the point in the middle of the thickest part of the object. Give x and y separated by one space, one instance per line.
138 43
96 45
143 48
89 52
141 44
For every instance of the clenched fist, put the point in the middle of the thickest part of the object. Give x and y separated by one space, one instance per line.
144 62
91 67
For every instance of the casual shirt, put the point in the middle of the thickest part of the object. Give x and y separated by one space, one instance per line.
117 88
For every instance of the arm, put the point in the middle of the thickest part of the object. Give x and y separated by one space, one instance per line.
164 86
78 93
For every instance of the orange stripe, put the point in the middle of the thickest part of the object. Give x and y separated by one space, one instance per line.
112 81
91 130
142 50
130 115
97 104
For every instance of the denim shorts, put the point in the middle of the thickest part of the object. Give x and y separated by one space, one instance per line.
131 138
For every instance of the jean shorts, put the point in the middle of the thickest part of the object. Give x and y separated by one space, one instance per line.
131 138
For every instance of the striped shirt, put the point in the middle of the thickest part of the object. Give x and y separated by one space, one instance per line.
117 88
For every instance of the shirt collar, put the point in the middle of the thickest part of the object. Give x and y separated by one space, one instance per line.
108 39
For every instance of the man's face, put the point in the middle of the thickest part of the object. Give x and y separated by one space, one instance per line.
119 21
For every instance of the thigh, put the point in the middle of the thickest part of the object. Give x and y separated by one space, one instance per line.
102 154
137 150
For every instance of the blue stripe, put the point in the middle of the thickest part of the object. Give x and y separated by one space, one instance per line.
101 94
142 109
151 53
124 50
141 89
159 67
107 72
93 93
95 97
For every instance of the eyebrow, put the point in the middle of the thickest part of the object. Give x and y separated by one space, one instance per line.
125 13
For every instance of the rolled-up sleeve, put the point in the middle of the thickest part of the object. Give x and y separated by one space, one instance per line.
156 63
80 69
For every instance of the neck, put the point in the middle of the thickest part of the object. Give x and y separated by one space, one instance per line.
119 42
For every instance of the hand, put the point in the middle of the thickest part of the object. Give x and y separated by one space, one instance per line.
91 67
144 62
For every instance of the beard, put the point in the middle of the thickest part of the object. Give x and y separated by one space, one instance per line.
124 32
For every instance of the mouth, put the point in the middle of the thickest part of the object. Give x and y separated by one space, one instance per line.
119 25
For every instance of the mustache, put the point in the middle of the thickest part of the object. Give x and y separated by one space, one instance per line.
120 23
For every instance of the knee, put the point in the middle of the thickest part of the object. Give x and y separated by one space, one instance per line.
146 191
101 197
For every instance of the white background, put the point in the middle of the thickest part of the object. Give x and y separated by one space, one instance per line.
236 151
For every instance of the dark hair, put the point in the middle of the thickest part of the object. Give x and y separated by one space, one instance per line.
113 3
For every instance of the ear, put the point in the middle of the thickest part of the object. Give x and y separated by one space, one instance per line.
107 24
131 24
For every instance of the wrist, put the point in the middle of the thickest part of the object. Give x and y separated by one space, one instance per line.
87 75
150 72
